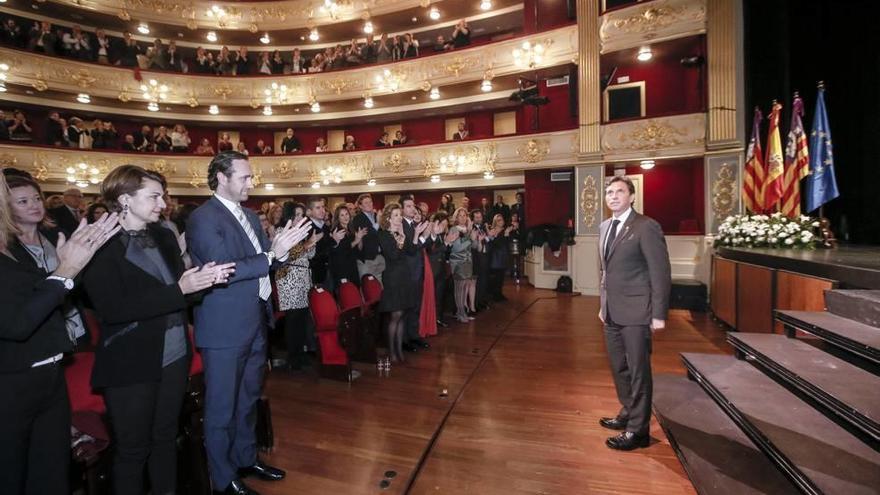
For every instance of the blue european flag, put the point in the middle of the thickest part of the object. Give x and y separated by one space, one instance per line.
821 185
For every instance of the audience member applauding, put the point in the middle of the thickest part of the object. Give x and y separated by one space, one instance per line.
320 146
462 265
224 143
350 144
129 52
397 293
383 141
290 143
204 62
162 141
180 140
140 292
19 129
242 64
462 132
205 148
242 148
461 35
347 243
262 148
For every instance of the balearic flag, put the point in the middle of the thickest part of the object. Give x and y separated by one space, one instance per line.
774 162
821 186
753 182
797 161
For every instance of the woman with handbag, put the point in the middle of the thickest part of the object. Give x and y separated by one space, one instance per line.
139 289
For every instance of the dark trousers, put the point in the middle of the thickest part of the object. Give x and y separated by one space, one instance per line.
296 322
233 382
35 432
496 282
439 292
481 271
629 351
144 417
411 319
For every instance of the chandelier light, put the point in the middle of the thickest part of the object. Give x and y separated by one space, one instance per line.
265 39
435 93
214 110
267 110
368 102
83 98
645 54
371 183
488 175
331 174
153 106
435 179
453 162
647 164
529 54
82 175
269 187
390 80
486 85
3 69
276 93
434 13
313 34
368 27
212 36
314 106
485 4
143 28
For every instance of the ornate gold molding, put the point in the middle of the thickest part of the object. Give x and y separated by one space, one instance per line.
665 135
724 192
464 65
589 201
190 171
651 22
533 150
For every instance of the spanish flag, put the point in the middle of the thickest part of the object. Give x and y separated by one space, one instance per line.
775 162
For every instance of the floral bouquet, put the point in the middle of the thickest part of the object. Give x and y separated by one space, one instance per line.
773 231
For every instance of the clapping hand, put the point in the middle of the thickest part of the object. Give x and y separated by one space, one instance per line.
338 235
75 253
452 235
420 228
360 233
316 236
290 235
200 278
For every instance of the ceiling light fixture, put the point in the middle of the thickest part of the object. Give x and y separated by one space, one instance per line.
371 182
267 110
153 106
435 93
529 54
647 164
368 102
314 106
269 187
486 85
313 34
434 13
214 110
83 98
645 54
488 175
211 36
485 5
435 179
265 39
316 185
368 27
143 28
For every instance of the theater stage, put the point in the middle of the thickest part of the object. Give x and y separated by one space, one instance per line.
526 384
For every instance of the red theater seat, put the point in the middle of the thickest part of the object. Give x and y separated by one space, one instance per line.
349 297
196 366
78 374
93 325
372 290
326 317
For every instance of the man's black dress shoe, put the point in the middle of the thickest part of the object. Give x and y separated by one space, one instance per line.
441 323
237 487
628 441
262 471
616 423
406 346
420 343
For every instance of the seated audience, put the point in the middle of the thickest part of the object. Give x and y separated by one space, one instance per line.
462 132
128 143
349 145
320 146
399 138
224 143
205 148
383 141
242 148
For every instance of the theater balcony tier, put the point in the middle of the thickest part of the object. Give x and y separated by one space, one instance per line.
53 76
474 160
651 22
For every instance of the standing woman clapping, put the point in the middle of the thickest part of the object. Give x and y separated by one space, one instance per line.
140 291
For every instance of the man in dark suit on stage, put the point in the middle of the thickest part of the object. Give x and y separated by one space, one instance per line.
232 320
634 299
67 216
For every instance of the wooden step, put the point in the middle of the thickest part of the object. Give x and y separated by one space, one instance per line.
846 390
717 456
847 334
817 454
862 306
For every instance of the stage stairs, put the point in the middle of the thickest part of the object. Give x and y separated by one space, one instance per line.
784 414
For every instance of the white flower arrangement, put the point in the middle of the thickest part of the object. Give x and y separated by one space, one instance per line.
773 231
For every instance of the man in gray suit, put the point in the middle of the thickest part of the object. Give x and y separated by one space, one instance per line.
634 289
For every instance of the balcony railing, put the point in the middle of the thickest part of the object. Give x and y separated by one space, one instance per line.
651 22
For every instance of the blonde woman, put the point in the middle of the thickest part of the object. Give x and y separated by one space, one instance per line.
462 264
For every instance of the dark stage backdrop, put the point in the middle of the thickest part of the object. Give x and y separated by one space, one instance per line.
789 46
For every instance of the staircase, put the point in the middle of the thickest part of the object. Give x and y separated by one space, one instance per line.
784 414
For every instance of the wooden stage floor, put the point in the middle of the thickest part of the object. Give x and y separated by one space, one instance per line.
526 384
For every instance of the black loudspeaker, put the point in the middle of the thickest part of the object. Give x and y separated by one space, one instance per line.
571 8
564 284
573 90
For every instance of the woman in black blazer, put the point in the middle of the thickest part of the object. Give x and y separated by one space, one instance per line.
138 287
35 415
346 247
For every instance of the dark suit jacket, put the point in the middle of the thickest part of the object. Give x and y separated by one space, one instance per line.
32 327
64 219
437 254
636 279
414 258
320 263
370 243
503 209
229 315
133 307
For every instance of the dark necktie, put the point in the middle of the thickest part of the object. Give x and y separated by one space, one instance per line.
611 236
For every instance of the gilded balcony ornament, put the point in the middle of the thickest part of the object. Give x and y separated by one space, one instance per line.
163 167
124 15
255 103
534 150
257 177
589 201
7 160
192 24
283 169
253 28
425 86
724 192
83 78
223 91
40 172
196 177
455 66
650 19
396 162
40 84
337 85
653 135
192 101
